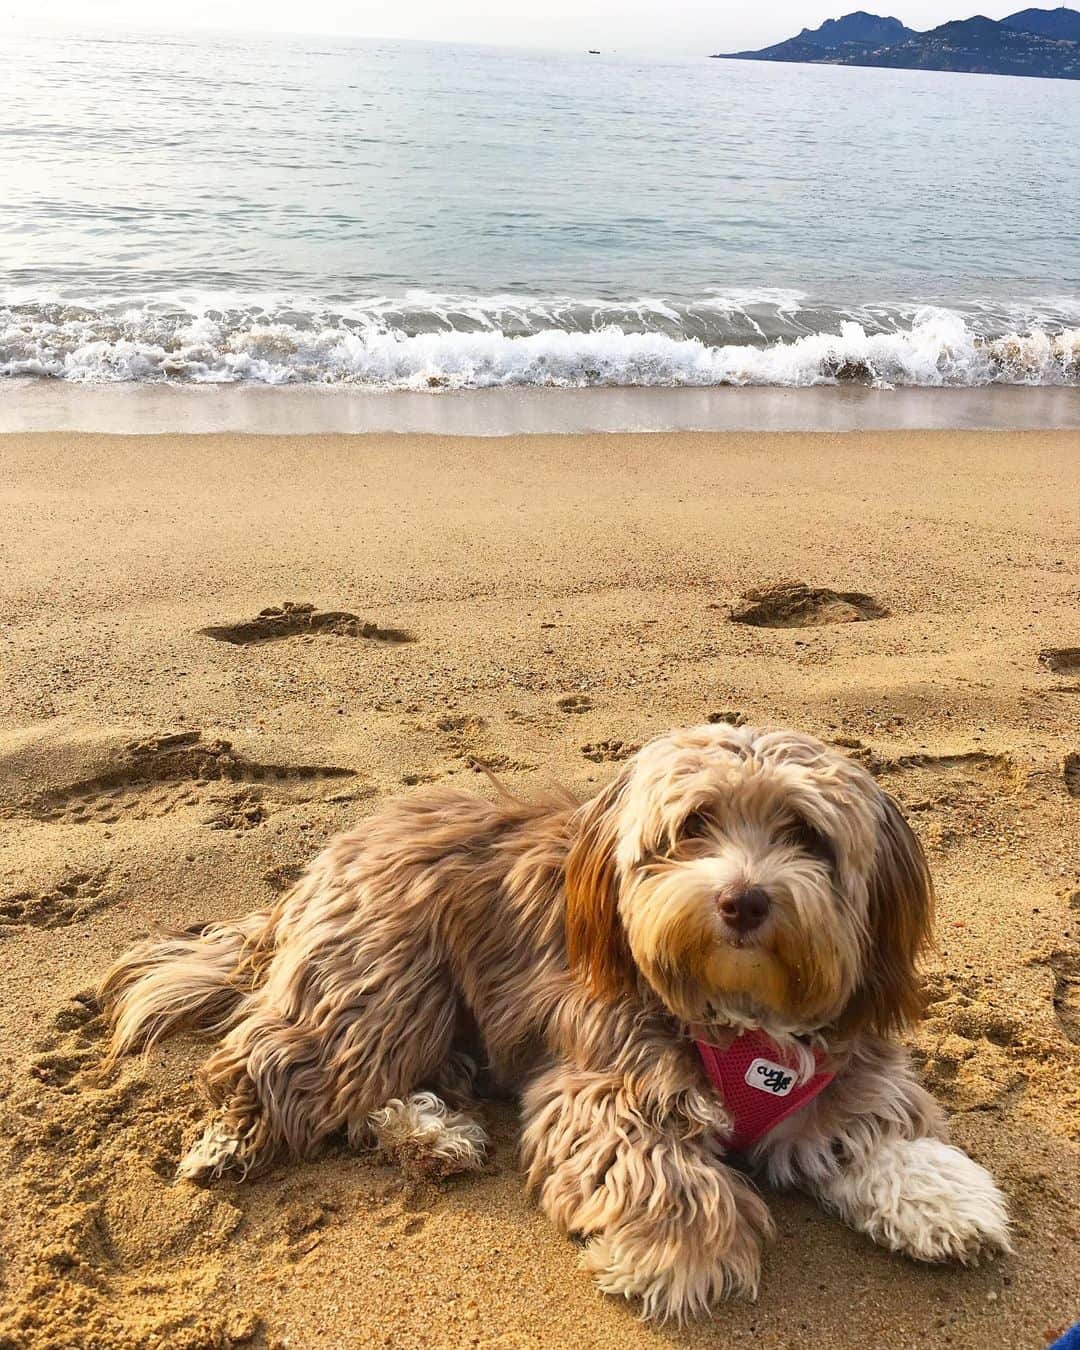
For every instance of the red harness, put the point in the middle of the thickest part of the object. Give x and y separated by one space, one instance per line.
759 1085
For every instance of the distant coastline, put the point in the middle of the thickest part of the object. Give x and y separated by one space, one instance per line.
1044 43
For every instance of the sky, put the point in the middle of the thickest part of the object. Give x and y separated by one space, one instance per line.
659 27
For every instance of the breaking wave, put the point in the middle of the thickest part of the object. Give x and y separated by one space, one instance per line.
422 342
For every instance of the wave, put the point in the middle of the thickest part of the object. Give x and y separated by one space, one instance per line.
423 342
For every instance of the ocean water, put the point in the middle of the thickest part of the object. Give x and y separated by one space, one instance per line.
240 209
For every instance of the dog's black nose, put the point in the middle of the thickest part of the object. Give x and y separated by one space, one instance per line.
744 907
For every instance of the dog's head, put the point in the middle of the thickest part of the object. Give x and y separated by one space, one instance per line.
750 877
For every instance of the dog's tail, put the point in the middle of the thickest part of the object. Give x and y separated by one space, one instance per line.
192 979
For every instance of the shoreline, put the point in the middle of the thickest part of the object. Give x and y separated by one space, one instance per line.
28 405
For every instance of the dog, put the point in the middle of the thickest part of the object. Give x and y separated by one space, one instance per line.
733 891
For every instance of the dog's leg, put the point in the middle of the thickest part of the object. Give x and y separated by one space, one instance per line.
239 1138
300 1066
666 1221
922 1197
872 1149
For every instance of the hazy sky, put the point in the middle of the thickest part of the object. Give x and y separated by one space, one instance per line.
675 27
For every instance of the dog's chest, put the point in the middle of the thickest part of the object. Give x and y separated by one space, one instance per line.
759 1084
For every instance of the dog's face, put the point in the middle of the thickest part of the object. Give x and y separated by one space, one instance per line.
750 877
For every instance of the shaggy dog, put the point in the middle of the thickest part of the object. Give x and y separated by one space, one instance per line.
728 881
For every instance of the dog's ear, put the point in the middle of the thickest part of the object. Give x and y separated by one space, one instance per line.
596 945
901 918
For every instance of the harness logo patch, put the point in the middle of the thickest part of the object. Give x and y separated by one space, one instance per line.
768 1077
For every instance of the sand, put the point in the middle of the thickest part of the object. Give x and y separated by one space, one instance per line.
566 597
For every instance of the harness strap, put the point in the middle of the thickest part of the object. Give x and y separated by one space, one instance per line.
759 1085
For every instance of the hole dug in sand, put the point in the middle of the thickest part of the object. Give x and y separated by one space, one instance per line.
793 604
1061 660
291 619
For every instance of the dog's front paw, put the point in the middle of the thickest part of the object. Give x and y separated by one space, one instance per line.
926 1199
674 1276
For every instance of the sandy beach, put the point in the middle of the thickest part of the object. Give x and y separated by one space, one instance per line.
539 606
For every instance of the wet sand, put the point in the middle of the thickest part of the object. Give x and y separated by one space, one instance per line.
566 597
149 409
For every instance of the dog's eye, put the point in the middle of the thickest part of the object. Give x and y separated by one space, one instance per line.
696 825
809 840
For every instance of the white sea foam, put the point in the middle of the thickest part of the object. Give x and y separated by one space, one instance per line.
421 342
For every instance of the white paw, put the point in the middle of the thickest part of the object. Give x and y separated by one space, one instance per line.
216 1153
924 1198
424 1136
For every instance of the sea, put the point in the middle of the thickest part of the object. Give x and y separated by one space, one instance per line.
242 210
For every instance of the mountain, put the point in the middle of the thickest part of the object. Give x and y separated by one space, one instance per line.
854 31
1051 23
986 47
1039 42
857 27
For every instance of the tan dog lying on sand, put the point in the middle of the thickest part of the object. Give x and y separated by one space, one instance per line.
602 960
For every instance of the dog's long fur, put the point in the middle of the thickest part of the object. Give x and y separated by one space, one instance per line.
572 950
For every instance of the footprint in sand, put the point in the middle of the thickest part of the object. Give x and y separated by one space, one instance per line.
967 1048
496 763
461 735
1065 964
290 619
938 778
609 752
299 1226
574 703
457 724
241 811
283 877
70 901
1061 660
72 1046
402 1212
796 605
162 774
